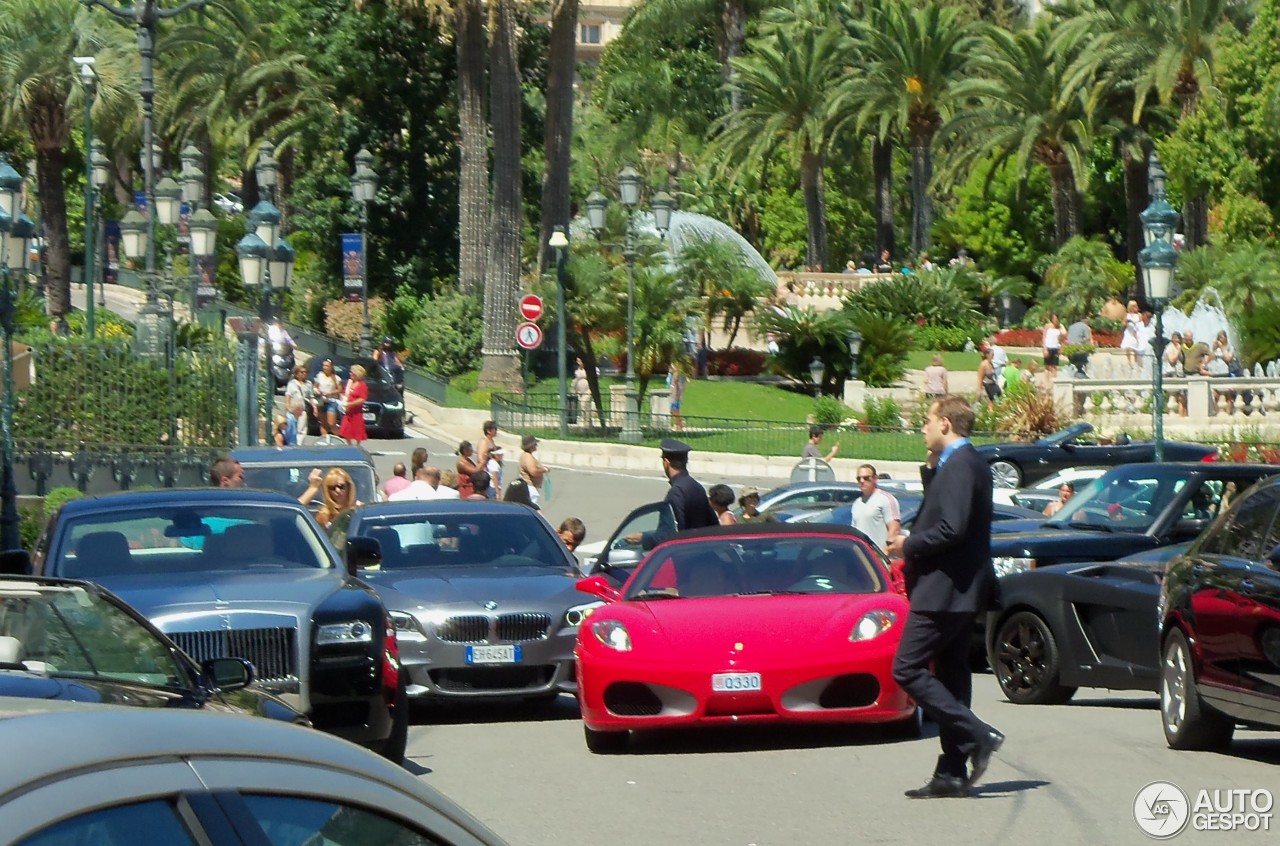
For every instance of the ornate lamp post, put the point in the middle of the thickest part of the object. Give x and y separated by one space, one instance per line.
816 372
101 175
89 79
629 184
560 243
854 339
13 257
272 262
364 187
1158 260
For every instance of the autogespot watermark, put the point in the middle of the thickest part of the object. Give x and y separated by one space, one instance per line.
1163 810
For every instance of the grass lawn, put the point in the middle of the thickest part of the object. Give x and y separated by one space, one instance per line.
708 398
956 361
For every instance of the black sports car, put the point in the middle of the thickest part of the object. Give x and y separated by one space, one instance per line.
383 410
1016 464
1078 625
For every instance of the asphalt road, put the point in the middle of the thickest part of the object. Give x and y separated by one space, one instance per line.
1067 775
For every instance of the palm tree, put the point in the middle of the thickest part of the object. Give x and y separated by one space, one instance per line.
558 130
1026 113
37 84
788 82
911 60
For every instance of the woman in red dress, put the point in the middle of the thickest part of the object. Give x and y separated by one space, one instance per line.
353 407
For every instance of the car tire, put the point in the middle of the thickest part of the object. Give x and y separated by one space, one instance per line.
1006 474
393 748
1026 662
1188 723
604 742
912 728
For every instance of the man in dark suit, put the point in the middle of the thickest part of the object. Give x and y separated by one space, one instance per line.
687 498
949 580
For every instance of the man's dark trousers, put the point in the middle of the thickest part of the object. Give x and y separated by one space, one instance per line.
942 640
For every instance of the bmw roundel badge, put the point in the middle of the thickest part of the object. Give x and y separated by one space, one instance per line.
491 606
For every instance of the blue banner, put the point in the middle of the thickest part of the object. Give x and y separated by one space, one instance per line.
353 266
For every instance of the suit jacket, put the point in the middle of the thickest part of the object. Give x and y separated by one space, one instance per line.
689 502
948 554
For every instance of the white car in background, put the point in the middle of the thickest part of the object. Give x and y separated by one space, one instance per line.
229 203
1042 492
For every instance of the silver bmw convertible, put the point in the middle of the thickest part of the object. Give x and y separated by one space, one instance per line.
481 594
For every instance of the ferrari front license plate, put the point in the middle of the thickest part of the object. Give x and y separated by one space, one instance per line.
508 654
734 682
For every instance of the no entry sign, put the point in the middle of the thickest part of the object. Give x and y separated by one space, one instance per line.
528 336
531 306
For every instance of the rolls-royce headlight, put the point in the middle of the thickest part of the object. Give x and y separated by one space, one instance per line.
1008 566
407 627
393 406
613 634
576 615
350 631
873 624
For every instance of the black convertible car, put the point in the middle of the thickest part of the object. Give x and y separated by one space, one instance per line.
1078 625
383 410
1016 464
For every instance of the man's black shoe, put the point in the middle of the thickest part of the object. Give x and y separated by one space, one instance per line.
987 746
940 787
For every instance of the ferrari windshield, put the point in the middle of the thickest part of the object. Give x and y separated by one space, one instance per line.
67 630
189 539
778 564
515 538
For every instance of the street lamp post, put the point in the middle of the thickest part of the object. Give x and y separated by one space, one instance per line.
1006 305
16 231
364 187
855 347
1158 260
816 372
629 184
560 243
101 170
89 79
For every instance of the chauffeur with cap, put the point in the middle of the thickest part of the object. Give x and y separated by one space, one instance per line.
688 499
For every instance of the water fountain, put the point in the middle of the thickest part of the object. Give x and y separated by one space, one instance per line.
1205 320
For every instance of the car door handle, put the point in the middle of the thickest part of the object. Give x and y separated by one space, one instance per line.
1246 585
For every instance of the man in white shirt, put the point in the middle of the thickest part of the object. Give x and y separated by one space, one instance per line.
875 513
999 358
425 485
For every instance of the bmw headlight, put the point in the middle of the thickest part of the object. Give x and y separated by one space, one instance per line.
347 632
576 615
407 627
1008 566
872 624
612 634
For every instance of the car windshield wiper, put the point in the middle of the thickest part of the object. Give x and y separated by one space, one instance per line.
773 593
658 593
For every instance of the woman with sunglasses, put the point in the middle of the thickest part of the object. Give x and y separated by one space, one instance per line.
339 495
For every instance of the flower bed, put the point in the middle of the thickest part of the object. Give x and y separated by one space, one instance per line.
1035 337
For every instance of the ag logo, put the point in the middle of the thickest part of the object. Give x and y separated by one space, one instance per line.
1161 810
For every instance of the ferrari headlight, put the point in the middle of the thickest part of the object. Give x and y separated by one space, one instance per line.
351 631
407 627
613 634
873 624
576 615
1009 566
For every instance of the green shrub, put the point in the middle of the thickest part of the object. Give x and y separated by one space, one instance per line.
953 338
882 414
445 337
55 499
937 299
886 340
30 523
829 411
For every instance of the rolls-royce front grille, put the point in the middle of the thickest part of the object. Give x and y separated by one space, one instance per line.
505 628
272 651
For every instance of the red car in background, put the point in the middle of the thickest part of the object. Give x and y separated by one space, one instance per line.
760 622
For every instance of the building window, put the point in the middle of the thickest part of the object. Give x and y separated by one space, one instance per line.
589 34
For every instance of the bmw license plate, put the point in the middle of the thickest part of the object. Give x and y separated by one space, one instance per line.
735 682
369 417
502 654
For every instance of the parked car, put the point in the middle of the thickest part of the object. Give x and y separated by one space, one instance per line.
1069 626
229 203
247 574
286 469
762 622
1219 613
1131 508
482 595
383 410
1016 464
117 776
908 508
1040 494
73 640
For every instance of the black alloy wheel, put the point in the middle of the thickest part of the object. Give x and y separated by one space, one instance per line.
1025 659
